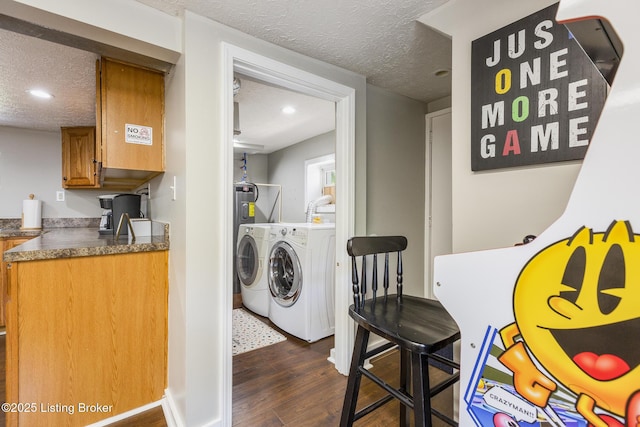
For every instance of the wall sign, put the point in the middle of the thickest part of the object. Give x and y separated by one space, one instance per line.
536 95
137 134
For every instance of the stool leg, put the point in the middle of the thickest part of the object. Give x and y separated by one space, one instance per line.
353 383
421 394
405 379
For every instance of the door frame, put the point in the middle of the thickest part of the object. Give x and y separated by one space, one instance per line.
429 183
236 59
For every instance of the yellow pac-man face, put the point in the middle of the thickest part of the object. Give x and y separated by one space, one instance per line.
577 306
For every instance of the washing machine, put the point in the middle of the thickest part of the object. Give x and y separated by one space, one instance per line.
251 265
301 276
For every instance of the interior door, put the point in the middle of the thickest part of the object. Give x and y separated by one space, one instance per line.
438 240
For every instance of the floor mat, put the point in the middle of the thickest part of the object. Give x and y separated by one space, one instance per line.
250 333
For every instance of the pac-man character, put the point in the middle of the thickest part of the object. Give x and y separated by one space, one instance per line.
576 305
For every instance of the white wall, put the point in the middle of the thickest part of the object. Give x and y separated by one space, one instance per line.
287 168
439 104
395 176
199 377
31 162
494 208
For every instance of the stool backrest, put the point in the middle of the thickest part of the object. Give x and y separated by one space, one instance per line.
374 245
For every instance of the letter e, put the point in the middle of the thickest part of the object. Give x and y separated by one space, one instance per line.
575 131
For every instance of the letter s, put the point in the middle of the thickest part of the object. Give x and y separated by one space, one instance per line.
545 36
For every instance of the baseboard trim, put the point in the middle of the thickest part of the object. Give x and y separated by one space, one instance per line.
374 342
127 414
170 410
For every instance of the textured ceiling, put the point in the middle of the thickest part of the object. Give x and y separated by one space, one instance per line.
379 39
69 74
262 122
376 38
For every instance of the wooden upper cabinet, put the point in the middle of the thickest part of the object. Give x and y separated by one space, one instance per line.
130 110
126 147
79 162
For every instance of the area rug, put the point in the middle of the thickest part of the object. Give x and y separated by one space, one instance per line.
250 333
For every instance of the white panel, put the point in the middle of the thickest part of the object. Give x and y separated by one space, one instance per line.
542 299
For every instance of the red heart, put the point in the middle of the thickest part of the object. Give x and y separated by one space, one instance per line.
603 368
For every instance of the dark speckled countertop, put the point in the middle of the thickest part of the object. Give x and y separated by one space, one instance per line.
80 241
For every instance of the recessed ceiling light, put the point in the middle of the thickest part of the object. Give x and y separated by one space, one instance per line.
441 73
40 93
288 110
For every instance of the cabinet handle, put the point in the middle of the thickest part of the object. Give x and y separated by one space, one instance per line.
64 178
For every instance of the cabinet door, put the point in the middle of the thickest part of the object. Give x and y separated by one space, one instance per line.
79 162
11 349
4 274
132 107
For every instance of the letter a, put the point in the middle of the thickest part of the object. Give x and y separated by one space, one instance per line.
511 143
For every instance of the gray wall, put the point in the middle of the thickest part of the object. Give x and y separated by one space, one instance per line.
496 208
31 162
257 168
198 169
286 168
257 172
396 176
200 258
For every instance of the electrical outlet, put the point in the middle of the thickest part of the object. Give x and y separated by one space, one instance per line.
59 196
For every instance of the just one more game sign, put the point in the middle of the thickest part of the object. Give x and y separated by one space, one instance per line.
536 95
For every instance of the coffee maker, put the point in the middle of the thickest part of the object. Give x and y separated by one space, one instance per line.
106 220
114 207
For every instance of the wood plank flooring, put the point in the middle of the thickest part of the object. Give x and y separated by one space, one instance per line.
289 384
292 384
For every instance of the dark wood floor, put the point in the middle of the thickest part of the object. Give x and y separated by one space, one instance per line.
289 384
292 384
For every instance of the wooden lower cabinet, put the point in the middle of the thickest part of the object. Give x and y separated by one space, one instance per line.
86 337
5 245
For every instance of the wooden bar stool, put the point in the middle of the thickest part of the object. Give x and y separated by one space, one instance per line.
419 327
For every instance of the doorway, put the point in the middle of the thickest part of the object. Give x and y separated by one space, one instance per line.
277 132
238 60
438 221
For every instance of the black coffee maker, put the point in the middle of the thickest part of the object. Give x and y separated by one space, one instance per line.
125 203
114 206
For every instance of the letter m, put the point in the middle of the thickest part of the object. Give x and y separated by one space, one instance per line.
542 136
493 115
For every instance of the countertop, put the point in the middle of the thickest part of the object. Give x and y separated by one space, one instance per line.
80 241
12 232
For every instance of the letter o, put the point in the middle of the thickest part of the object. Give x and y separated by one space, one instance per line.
503 81
520 109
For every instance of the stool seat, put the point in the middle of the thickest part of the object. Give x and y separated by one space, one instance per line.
422 325
419 327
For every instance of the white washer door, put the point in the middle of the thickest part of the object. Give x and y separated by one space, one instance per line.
247 261
285 274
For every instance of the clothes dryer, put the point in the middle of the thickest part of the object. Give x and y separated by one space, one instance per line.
301 277
251 265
